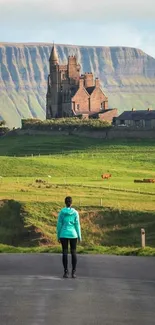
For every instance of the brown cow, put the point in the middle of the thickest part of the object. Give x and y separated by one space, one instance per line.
106 176
149 180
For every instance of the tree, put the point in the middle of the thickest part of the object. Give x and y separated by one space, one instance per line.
2 123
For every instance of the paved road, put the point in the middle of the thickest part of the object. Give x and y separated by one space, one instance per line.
109 290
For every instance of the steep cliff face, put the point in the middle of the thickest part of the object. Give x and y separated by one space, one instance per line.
127 75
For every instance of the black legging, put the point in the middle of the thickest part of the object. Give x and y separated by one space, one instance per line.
73 243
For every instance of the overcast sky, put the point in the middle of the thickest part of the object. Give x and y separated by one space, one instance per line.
81 22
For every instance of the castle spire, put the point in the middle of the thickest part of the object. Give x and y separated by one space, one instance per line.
54 56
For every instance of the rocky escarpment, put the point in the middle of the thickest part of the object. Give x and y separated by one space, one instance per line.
127 75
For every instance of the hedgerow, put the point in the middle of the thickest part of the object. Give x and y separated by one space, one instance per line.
64 123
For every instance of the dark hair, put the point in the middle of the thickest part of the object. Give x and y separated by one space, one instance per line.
68 201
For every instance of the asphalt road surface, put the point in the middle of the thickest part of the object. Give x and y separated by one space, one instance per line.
109 290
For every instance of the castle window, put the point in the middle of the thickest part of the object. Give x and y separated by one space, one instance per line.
78 106
102 105
51 113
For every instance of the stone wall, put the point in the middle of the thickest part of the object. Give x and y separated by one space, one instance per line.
131 133
112 133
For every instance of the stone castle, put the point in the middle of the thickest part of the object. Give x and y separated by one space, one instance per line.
71 94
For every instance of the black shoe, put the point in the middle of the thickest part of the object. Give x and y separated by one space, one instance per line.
73 274
66 274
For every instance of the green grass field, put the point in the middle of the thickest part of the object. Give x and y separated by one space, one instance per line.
112 211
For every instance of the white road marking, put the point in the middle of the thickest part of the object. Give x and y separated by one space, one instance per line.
41 277
57 289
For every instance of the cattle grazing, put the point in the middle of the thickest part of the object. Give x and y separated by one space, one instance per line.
106 176
145 180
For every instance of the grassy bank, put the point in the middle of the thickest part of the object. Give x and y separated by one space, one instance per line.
32 226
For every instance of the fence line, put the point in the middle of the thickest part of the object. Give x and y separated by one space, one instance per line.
110 188
107 188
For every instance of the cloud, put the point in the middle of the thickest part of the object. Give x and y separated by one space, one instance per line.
99 22
41 12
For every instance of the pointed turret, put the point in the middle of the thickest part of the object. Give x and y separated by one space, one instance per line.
54 56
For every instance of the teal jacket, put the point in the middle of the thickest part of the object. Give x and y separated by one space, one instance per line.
68 224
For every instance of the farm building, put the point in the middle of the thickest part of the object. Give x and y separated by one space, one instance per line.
142 118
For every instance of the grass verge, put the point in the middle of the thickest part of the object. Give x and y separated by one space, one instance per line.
115 250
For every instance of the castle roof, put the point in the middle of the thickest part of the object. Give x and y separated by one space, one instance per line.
54 55
74 90
90 89
94 113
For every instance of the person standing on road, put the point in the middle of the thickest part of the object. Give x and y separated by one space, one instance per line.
68 230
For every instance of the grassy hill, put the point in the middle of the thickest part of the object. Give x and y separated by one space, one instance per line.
37 172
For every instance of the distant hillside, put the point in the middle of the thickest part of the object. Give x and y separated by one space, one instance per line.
127 75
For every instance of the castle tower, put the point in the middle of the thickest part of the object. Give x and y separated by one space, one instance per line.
54 69
53 92
54 56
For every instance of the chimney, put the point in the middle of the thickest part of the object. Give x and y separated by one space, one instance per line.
81 82
97 83
88 80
